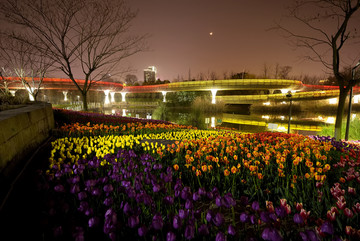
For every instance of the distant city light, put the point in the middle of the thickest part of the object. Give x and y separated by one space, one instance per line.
282 117
284 91
265 117
266 103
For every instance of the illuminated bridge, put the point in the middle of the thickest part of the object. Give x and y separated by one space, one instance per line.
278 88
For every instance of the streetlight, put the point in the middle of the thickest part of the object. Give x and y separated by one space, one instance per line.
289 95
350 100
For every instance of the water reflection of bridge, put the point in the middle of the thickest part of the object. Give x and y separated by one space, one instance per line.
275 123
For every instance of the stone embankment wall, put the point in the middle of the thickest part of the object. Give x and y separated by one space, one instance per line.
22 130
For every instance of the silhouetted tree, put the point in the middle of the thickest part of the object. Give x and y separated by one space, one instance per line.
328 30
85 38
131 79
284 72
24 62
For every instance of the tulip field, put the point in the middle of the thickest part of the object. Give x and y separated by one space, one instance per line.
113 178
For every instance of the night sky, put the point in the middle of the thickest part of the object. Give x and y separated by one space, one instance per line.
180 38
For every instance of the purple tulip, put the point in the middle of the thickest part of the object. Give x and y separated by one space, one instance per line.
202 191
231 230
93 222
78 234
188 204
127 209
327 227
108 201
169 200
253 219
189 232
311 235
156 187
82 196
133 221
264 216
209 216
203 230
244 217
280 211
177 222
219 219
96 192
220 236
272 216
303 236
186 193
108 188
215 192
83 206
157 222
89 212
74 189
298 219
210 195
170 236
271 234
218 201
142 231
196 196
182 214
228 201
59 188
255 206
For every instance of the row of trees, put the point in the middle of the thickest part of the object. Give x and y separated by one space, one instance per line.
83 39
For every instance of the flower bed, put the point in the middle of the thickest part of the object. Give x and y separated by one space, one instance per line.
206 184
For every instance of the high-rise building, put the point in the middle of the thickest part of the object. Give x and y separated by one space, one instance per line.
150 74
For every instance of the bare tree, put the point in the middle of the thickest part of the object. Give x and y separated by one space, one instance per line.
277 70
329 27
285 71
86 39
5 82
25 63
266 71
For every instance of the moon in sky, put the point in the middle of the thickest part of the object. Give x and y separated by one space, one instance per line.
211 33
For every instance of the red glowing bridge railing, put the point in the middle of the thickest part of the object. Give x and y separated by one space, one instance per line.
63 84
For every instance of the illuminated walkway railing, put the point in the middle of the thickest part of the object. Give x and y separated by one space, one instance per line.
206 85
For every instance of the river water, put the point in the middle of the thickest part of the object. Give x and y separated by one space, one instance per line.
306 117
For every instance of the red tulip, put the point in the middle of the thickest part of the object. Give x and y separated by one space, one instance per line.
348 213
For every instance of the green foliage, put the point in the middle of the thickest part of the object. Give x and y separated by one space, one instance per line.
6 99
354 130
160 113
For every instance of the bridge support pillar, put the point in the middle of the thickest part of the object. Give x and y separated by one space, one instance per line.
107 99
123 94
65 95
112 94
164 95
213 92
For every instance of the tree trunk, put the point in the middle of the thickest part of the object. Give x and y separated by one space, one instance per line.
84 99
340 113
